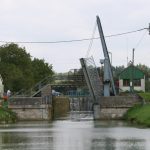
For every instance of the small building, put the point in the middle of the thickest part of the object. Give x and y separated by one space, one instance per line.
131 78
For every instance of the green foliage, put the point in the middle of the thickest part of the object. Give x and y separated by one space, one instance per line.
147 85
6 115
18 70
117 70
139 114
41 69
146 71
15 67
145 96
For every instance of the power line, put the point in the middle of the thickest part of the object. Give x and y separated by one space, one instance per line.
124 33
74 40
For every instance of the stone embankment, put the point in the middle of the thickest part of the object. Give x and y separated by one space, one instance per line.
31 108
37 108
114 107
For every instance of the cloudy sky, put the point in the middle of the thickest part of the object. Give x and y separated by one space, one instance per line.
56 20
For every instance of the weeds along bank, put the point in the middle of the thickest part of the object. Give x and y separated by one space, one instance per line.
7 116
145 96
139 114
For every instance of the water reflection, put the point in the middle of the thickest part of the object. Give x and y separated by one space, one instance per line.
113 144
132 144
74 134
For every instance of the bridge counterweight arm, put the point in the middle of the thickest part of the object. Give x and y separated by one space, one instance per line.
108 71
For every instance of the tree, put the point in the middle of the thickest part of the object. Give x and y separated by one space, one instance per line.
117 70
18 70
41 69
146 71
15 67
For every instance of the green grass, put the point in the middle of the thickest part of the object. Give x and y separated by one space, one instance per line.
145 96
7 116
139 114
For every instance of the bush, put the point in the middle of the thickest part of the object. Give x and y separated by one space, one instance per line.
7 116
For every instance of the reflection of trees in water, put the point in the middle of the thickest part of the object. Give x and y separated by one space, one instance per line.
104 144
25 140
133 144
110 143
113 144
12 140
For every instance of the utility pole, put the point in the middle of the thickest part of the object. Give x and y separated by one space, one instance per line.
132 72
149 29
111 57
133 56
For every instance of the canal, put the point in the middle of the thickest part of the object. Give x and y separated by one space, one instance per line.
77 131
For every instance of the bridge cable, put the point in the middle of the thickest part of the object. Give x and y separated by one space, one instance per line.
91 41
141 39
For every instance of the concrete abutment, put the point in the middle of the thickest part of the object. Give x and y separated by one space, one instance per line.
114 107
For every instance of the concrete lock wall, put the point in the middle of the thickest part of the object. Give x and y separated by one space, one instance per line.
30 108
29 112
61 106
112 113
33 108
115 107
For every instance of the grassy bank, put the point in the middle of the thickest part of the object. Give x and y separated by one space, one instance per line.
139 114
7 116
145 96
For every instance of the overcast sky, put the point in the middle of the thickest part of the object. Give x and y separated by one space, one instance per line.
54 20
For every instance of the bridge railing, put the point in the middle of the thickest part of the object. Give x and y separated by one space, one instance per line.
34 101
77 94
34 89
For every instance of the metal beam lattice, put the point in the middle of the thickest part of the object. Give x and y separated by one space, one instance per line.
92 78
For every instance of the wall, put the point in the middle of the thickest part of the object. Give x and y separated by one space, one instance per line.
143 84
29 112
127 88
61 106
112 113
30 108
33 108
115 107
123 88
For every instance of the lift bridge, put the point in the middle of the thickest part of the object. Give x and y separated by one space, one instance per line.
92 78
96 86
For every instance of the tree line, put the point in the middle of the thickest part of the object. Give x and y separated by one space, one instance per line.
19 70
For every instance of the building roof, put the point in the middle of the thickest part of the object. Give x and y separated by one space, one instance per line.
130 72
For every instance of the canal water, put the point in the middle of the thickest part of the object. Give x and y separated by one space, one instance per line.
77 131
